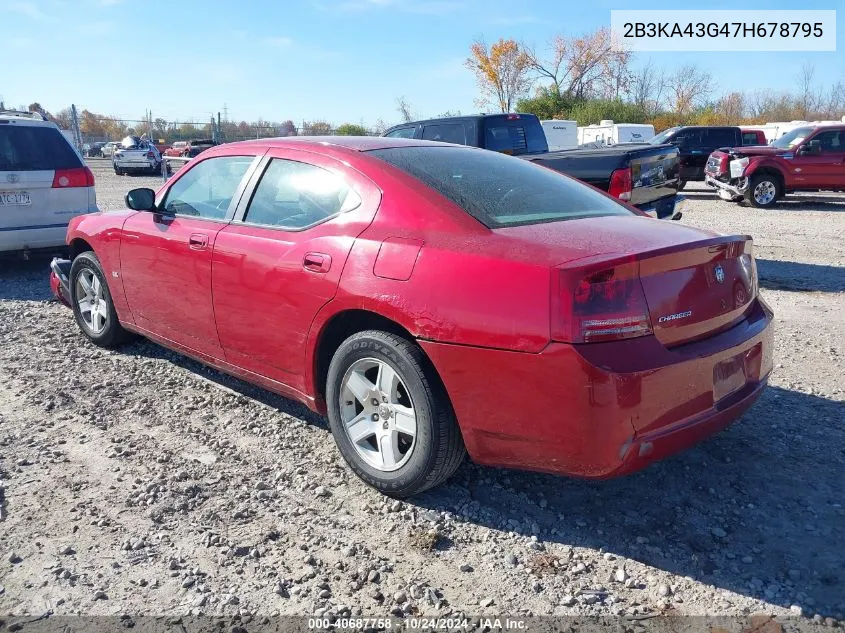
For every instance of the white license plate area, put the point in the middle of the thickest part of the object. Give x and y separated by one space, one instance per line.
15 199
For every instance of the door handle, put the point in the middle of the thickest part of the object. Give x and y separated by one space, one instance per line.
317 262
197 241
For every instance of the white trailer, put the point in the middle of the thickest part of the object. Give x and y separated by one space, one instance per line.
607 132
560 134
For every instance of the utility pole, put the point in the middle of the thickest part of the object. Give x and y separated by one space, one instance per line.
219 135
77 136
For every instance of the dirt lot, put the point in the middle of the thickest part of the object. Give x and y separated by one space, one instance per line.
136 481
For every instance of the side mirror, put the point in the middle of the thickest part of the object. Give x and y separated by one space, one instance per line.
141 199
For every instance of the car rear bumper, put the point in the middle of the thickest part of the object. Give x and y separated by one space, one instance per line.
603 409
135 164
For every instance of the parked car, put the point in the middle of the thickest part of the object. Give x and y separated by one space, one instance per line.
644 176
806 159
403 287
135 154
43 183
695 144
109 148
176 149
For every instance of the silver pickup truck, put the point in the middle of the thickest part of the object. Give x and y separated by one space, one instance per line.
135 154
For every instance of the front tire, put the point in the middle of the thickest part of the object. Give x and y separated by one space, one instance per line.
390 415
763 191
92 304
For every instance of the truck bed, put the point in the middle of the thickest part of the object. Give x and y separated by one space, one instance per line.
654 168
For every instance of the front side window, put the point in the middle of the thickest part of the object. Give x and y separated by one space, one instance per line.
446 133
498 190
206 190
293 196
830 141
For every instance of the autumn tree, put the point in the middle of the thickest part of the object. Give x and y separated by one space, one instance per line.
502 72
688 87
731 107
316 128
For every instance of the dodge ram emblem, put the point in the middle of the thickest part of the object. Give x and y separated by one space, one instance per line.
720 273
12 178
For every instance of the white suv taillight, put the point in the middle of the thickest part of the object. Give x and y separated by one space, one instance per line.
78 177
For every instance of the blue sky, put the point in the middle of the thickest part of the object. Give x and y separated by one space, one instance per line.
335 60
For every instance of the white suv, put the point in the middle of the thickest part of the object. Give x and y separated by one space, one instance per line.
43 183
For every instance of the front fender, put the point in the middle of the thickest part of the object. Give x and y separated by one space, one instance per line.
102 233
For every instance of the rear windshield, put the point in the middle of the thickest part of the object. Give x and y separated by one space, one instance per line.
35 148
498 190
514 136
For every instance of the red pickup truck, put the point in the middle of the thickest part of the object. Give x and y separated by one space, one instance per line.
810 158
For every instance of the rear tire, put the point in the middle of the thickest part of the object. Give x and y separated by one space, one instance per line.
763 191
92 304
381 391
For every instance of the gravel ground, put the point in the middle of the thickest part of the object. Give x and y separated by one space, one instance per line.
136 481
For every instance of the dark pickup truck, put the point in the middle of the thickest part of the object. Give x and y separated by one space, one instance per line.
645 176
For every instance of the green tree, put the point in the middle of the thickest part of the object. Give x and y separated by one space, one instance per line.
351 129
594 110
547 103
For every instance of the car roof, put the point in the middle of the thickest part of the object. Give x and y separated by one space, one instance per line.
21 119
349 143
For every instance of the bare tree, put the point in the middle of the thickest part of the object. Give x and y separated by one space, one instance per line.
732 107
807 98
647 88
404 108
688 87
583 66
502 72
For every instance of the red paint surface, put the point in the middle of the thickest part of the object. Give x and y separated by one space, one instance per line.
482 303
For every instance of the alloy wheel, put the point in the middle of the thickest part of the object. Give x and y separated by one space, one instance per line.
378 414
91 301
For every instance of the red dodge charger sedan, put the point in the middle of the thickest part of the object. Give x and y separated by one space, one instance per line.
433 300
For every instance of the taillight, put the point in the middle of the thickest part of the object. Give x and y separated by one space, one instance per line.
621 184
150 155
606 304
79 177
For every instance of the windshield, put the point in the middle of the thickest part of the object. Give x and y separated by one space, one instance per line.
499 190
793 138
663 136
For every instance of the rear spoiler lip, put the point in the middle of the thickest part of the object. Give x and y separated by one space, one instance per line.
607 260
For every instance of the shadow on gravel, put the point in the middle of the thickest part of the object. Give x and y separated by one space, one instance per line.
148 349
25 280
800 277
753 510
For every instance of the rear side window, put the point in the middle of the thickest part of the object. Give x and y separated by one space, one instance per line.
403 132
498 190
719 137
446 133
514 136
293 196
35 148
